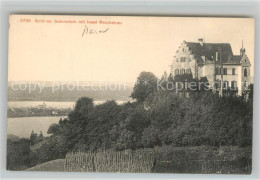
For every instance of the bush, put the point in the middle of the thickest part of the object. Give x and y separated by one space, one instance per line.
18 154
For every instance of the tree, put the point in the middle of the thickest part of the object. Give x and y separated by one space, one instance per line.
41 135
53 129
146 84
33 138
73 128
52 148
164 76
84 106
97 132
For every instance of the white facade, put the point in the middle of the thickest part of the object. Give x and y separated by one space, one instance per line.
205 60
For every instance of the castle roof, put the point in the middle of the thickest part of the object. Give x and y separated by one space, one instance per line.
236 59
208 50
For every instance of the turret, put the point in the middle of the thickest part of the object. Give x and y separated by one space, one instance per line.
242 50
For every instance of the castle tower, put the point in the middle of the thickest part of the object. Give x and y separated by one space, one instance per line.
242 50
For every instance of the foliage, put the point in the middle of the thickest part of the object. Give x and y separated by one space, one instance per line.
53 129
52 148
18 154
160 118
34 138
146 85
203 159
157 118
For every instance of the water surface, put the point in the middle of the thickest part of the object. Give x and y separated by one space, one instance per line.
23 126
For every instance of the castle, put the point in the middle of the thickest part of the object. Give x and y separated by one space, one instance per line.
216 62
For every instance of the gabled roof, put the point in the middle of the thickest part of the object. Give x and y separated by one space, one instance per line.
236 59
209 51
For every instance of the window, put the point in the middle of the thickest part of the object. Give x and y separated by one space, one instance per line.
177 60
233 71
182 71
225 85
221 71
233 84
176 71
217 71
245 72
183 59
188 71
225 71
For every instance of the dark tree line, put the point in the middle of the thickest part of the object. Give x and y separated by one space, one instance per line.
156 118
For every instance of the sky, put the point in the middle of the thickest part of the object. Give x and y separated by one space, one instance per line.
44 51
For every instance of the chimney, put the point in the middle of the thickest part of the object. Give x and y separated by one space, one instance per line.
201 41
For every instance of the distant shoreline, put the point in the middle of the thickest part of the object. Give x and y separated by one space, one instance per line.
44 108
54 100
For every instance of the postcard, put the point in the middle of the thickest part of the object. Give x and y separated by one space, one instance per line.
130 94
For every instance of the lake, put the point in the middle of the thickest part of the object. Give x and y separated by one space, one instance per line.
23 126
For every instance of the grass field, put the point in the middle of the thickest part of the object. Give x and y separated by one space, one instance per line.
55 165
